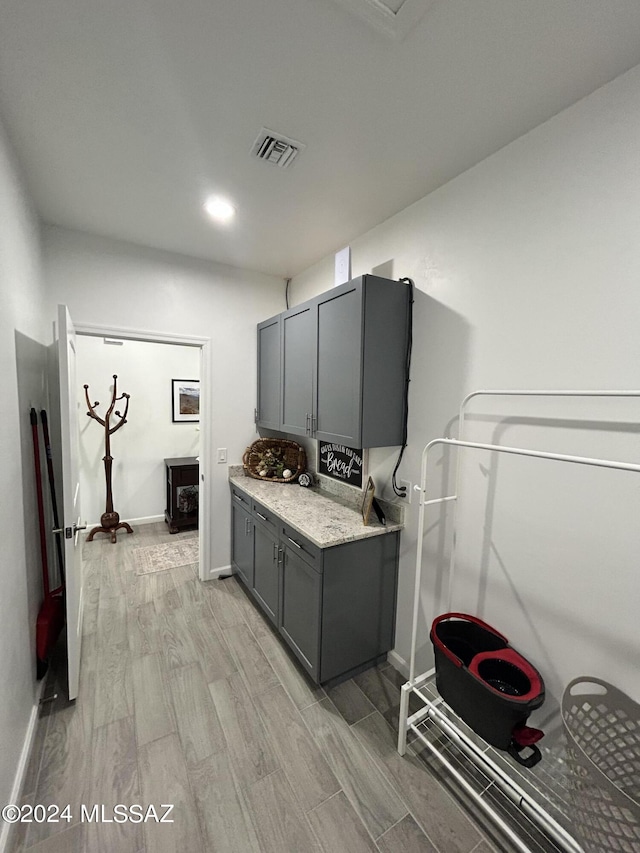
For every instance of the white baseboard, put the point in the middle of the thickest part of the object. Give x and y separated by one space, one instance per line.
215 573
7 829
399 663
148 519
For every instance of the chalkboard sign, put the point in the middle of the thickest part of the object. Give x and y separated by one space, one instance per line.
341 463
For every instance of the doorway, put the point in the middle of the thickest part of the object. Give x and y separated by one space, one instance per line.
181 438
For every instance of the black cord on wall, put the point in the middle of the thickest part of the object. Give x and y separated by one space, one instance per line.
286 293
401 491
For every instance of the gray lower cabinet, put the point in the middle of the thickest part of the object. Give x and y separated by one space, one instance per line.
334 607
266 570
242 536
301 600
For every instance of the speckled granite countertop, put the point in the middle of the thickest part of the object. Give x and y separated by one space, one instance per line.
324 519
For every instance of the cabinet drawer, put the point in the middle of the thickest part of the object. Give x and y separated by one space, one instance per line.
240 497
265 516
186 475
297 543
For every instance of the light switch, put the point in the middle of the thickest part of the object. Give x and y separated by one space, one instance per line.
222 454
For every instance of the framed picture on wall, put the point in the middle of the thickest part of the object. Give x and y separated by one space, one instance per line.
185 400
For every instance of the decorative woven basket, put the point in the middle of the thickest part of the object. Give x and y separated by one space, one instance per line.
287 453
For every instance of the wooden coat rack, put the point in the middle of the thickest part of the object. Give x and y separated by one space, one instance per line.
109 520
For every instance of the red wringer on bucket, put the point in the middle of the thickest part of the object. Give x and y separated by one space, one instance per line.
488 683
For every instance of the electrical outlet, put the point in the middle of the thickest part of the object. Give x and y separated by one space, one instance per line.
407 494
222 455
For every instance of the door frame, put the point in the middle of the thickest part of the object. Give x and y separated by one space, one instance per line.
205 484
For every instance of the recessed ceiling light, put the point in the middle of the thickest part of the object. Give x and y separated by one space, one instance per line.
219 208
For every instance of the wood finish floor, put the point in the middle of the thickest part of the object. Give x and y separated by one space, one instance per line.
188 697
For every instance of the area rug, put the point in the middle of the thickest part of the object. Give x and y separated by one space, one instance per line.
168 555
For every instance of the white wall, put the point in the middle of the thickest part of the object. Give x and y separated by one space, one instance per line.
22 385
527 273
112 283
144 371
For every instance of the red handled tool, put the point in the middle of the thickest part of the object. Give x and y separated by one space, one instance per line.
51 616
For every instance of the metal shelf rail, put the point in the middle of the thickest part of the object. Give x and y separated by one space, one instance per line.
416 684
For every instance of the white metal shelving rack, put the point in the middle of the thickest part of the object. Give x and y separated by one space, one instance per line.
418 684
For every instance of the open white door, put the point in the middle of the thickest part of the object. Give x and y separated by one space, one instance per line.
69 433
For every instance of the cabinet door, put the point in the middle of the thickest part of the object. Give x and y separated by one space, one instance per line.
242 541
300 603
266 570
268 402
297 369
339 366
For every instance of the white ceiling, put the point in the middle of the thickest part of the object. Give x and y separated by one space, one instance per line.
126 114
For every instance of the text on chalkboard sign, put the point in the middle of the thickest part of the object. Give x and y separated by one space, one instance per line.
341 463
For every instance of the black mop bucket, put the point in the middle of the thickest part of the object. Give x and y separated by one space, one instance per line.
487 683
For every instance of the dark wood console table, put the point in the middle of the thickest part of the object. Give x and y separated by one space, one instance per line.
182 509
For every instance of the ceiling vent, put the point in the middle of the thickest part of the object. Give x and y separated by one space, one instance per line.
276 149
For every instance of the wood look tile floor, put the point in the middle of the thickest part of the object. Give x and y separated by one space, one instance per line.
188 697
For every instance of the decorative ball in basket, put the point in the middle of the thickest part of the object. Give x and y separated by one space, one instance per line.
275 459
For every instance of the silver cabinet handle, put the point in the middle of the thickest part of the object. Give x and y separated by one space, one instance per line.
238 498
280 554
275 552
255 416
314 424
260 515
293 542
307 428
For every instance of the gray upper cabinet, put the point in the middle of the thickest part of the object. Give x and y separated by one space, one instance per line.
338 396
342 364
268 406
361 340
297 337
